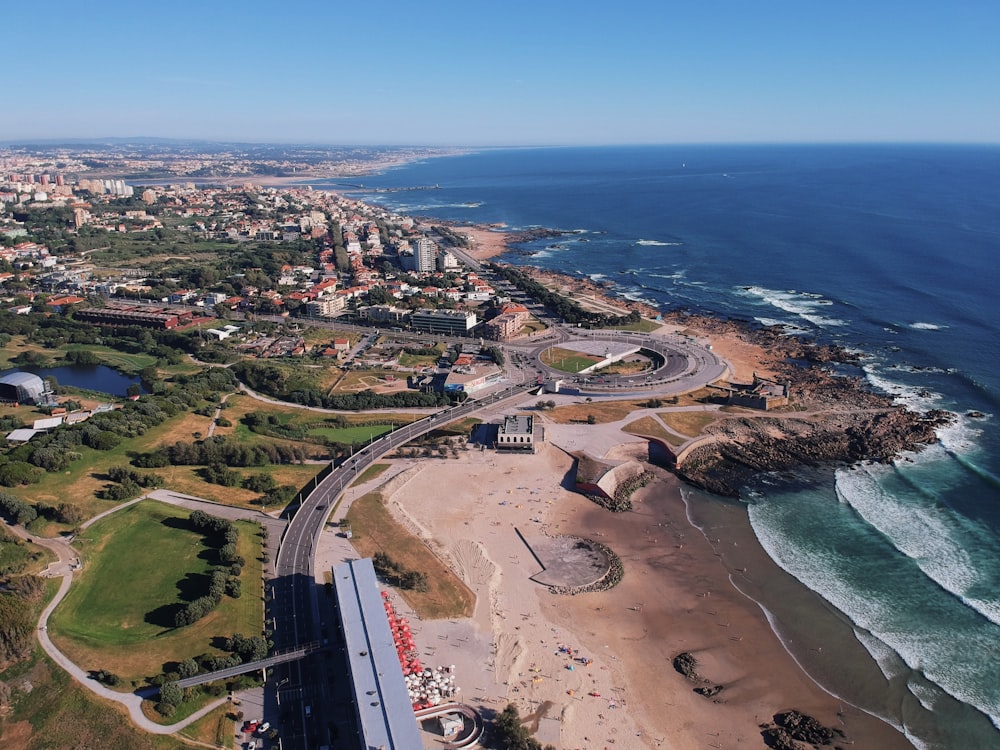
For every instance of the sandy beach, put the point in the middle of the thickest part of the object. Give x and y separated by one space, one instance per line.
677 595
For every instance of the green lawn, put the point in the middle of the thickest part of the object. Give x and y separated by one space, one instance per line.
361 434
119 360
644 325
140 566
567 360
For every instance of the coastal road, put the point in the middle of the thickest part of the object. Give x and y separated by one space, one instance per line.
297 615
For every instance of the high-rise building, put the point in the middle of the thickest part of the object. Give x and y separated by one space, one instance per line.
425 255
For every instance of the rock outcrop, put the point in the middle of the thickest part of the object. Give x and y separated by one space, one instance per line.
835 418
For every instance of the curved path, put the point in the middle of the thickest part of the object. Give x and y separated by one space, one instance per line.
67 561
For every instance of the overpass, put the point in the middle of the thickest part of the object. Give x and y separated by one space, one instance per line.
284 657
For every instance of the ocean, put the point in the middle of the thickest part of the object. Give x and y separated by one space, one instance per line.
891 251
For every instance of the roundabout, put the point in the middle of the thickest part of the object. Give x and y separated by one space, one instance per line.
678 362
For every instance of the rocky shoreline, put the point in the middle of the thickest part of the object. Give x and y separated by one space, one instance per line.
835 419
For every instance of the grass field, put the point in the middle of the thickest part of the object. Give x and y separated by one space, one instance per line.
58 713
690 423
603 411
649 427
375 530
361 434
644 325
85 477
354 381
119 360
372 472
568 360
140 566
214 728
406 359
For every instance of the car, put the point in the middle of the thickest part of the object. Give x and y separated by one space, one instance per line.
264 727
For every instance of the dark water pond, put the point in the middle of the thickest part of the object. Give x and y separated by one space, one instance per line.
91 377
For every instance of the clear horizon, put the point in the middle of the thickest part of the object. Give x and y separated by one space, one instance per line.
455 74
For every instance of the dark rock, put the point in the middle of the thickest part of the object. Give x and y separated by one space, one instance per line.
687 665
710 692
804 728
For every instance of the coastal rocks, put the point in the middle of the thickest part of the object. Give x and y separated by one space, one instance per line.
687 665
530 235
710 691
791 727
746 447
837 419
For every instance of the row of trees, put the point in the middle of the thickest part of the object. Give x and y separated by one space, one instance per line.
223 581
217 450
397 575
273 381
564 307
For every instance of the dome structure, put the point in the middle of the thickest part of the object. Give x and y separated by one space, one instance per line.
21 387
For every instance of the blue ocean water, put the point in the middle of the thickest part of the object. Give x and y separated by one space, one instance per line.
888 250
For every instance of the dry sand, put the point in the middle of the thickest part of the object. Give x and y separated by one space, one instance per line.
486 243
676 596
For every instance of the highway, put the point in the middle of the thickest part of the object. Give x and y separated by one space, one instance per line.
296 614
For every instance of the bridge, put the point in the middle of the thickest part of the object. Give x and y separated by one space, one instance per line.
284 657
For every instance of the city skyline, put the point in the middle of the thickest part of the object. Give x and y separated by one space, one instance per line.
458 74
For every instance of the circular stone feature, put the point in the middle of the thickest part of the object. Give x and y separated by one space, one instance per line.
570 562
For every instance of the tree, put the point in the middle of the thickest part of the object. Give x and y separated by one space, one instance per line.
172 694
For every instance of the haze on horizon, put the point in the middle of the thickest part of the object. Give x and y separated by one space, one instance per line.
469 74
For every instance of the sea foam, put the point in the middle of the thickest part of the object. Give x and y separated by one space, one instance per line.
885 600
950 549
804 305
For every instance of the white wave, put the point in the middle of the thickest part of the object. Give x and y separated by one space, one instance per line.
927 326
961 436
803 304
888 660
597 276
943 657
940 541
636 296
657 243
914 368
890 657
911 396
790 328
676 275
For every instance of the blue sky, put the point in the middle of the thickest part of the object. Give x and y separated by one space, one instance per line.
512 73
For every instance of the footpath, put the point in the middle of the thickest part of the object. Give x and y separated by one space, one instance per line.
68 561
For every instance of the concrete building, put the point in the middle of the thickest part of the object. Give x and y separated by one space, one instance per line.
517 433
448 322
382 705
425 255
327 307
